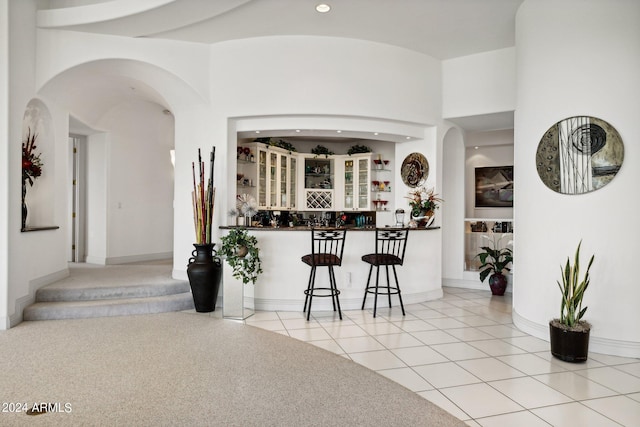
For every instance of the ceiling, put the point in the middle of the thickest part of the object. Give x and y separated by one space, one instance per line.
442 29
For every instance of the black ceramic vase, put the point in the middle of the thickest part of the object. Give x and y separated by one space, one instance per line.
24 205
205 272
569 346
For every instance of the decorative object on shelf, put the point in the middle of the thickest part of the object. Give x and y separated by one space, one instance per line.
494 260
31 169
321 150
579 154
281 143
423 204
569 334
240 249
494 187
399 215
204 269
414 170
357 149
247 207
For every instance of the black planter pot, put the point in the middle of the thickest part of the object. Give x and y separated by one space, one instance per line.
205 273
498 284
569 346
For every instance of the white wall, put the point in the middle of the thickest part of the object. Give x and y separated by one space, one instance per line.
585 62
4 162
139 182
27 268
478 84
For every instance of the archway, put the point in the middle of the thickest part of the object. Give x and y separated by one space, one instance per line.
128 109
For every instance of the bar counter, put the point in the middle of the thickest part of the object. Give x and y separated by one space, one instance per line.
280 287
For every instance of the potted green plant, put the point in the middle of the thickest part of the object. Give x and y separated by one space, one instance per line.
494 260
240 249
569 334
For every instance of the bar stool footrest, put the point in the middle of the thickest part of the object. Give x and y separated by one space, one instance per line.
329 292
383 290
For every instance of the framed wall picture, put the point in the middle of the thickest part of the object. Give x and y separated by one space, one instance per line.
494 187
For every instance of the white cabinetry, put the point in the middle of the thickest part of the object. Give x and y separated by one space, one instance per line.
269 175
355 188
318 176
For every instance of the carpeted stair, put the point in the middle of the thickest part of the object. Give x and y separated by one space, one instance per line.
111 291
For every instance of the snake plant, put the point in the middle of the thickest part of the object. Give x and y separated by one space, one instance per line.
573 290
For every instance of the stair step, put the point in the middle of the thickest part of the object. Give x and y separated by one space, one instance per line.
52 293
108 307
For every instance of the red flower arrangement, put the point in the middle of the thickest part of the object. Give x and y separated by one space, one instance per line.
31 162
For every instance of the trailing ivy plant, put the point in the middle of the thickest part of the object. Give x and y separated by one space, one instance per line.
355 149
241 252
321 150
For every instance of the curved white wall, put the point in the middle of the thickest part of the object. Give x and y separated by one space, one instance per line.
585 62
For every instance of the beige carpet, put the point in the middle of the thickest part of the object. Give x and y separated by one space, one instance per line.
192 369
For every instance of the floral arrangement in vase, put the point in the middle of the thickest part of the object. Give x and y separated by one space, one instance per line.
31 162
423 202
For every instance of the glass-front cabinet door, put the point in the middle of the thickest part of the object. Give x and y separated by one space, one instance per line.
349 193
262 178
273 178
268 174
356 184
292 181
363 183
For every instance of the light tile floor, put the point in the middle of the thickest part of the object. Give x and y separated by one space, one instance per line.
463 353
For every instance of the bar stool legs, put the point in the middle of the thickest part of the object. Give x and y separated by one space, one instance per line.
332 292
382 290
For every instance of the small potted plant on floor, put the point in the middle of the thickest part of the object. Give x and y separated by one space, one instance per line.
240 249
494 260
569 334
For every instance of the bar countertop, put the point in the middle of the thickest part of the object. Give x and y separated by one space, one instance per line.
306 228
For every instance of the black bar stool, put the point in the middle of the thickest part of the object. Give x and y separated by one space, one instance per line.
390 247
326 251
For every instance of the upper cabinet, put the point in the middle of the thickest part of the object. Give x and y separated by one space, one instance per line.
283 180
268 174
356 184
319 182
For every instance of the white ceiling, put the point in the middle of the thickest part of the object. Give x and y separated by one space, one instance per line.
440 28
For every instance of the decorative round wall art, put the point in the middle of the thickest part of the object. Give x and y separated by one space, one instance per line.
415 170
579 154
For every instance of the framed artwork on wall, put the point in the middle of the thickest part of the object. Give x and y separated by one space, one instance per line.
494 187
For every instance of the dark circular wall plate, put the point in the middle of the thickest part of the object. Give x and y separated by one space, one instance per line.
414 170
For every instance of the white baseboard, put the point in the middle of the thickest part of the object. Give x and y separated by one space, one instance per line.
596 344
324 304
30 298
138 258
128 259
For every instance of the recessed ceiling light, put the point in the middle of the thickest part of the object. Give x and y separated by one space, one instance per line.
257 131
339 131
376 133
476 147
408 137
298 130
323 8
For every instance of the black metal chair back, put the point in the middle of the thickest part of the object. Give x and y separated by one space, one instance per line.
327 247
391 244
